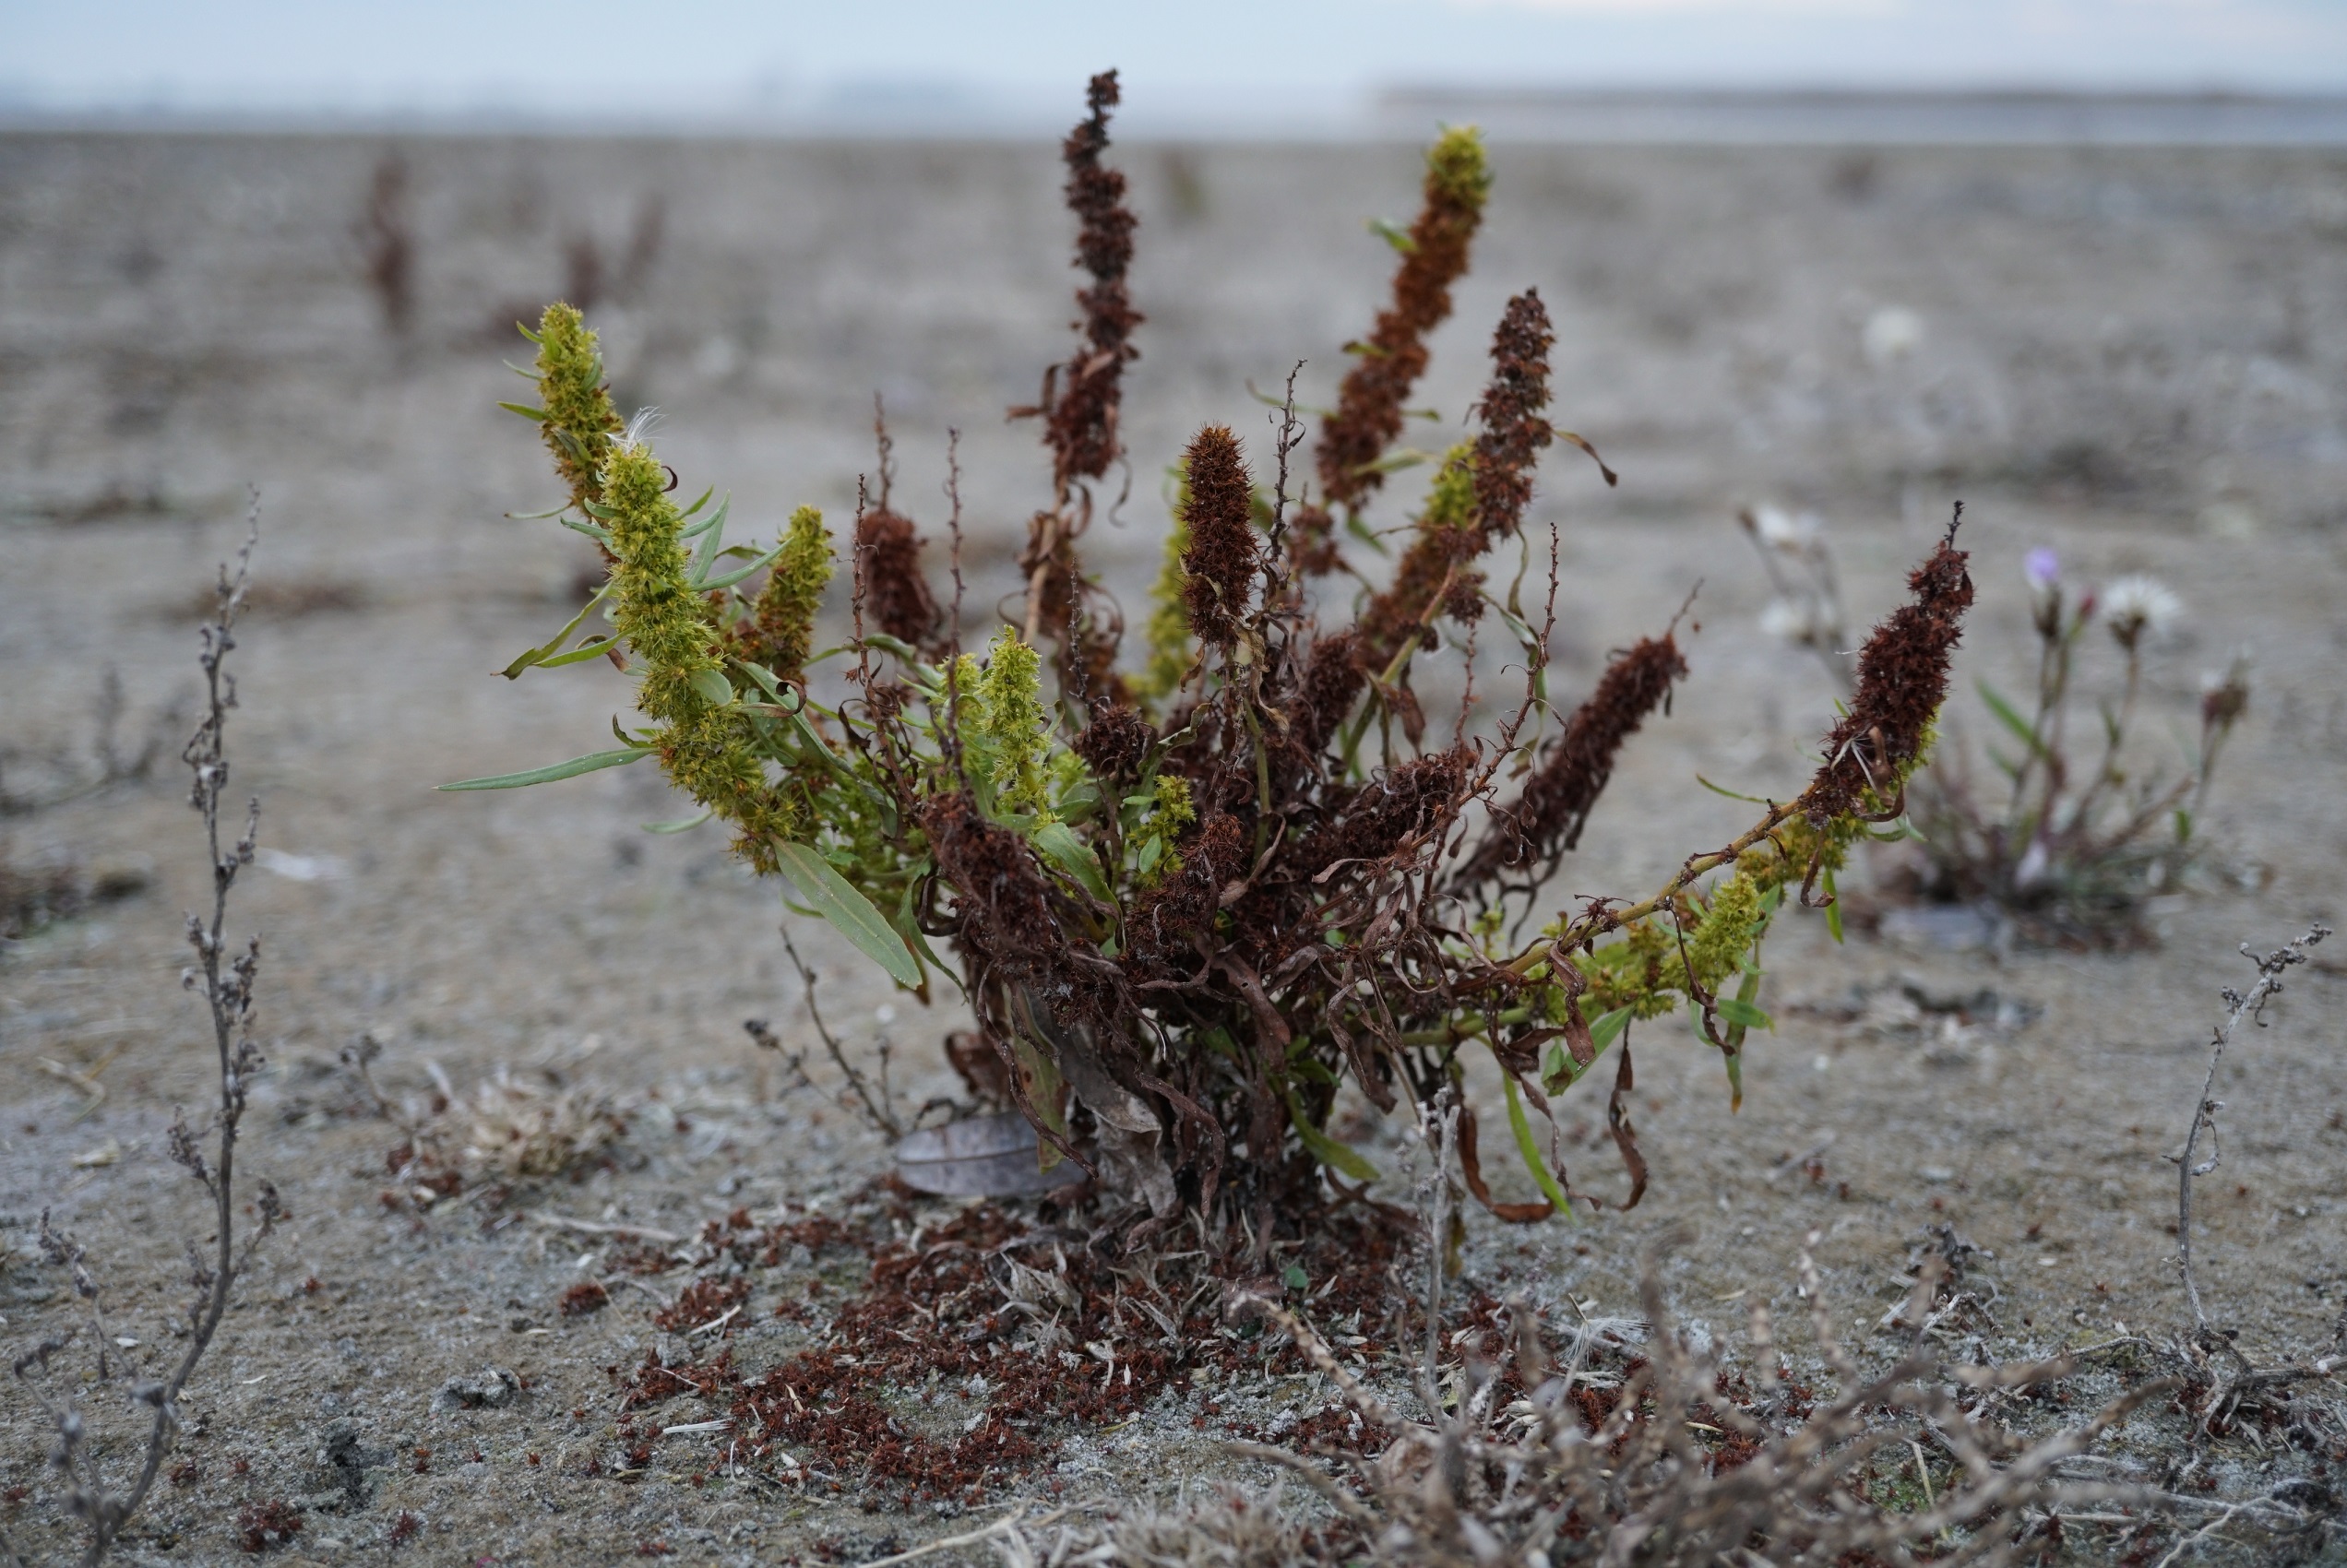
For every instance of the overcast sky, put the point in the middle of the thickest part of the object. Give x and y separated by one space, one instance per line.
693 59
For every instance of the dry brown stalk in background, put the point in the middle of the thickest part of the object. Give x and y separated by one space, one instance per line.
103 1506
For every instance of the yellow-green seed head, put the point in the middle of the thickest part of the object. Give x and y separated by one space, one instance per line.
1450 500
1457 169
1171 650
580 420
785 618
1717 945
1012 688
668 625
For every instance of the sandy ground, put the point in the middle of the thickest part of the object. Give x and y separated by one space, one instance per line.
2135 356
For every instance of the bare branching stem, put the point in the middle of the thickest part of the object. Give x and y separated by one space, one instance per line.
227 990
2251 1007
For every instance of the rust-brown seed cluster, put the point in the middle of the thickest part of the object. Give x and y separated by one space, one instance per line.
896 594
1218 568
1369 403
1515 424
1082 430
1902 679
1547 818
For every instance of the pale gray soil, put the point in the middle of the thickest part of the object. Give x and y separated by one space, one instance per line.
2139 357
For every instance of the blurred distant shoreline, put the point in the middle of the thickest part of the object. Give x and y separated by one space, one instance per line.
1649 116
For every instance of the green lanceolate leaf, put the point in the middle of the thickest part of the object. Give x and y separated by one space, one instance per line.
707 585
712 530
1059 844
2011 719
1528 1146
570 769
540 654
1609 1026
594 649
1337 1157
713 687
600 535
525 410
830 895
1736 1010
685 826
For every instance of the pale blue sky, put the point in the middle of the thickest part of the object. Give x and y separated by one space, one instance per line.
695 59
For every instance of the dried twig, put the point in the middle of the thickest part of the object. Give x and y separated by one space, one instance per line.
2252 1007
227 991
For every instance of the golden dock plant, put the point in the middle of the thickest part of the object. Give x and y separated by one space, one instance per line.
1183 931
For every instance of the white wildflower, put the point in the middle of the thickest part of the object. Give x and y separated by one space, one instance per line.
1800 622
1793 533
2132 606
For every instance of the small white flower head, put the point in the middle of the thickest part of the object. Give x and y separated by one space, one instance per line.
1798 621
1795 534
1892 334
2132 606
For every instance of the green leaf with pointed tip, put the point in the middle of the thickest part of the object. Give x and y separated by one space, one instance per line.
1736 1010
1528 1148
712 533
831 895
707 585
685 826
1059 844
525 410
712 686
897 645
2010 718
1336 1155
1731 794
1393 234
531 656
571 769
1608 1027
600 535
582 653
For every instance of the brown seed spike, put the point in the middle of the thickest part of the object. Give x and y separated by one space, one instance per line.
1369 410
896 593
1547 819
1514 428
1219 566
1082 426
1116 741
1902 680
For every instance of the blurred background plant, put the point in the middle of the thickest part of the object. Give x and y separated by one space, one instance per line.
2073 832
